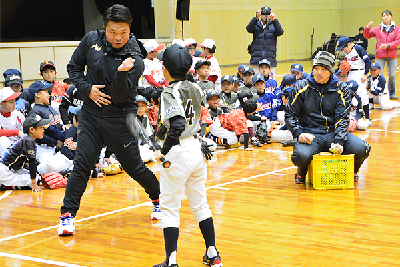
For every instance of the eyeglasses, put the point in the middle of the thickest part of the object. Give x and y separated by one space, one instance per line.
191 48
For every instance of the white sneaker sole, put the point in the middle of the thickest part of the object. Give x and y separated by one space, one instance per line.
66 231
156 216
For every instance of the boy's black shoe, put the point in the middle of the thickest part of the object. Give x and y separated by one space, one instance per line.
356 177
298 179
213 262
255 142
291 142
164 264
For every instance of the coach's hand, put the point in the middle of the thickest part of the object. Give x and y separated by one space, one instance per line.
158 155
127 64
99 97
306 138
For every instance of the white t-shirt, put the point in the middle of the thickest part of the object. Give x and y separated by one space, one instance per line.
15 121
153 67
215 70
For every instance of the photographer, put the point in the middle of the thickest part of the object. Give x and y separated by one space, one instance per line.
265 29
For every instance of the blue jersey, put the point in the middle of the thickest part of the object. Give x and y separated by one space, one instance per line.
267 109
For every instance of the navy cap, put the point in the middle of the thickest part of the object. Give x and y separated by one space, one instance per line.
265 10
296 67
264 61
288 79
376 66
13 79
227 78
46 63
235 79
36 87
248 69
241 67
249 106
342 42
198 53
353 86
200 63
258 77
287 91
177 60
211 94
34 120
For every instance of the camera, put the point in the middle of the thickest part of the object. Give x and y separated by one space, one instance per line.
266 10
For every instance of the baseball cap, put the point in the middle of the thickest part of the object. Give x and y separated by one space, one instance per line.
179 42
248 69
342 42
325 59
190 41
200 63
235 79
140 98
288 79
34 120
376 66
36 87
353 86
46 63
177 60
265 10
13 79
11 72
241 67
211 94
296 67
287 91
249 106
152 45
7 94
227 78
258 77
209 43
198 53
264 61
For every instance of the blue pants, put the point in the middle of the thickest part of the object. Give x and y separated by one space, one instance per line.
303 153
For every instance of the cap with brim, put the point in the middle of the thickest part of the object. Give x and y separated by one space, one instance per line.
296 67
249 106
36 87
34 120
248 69
198 53
47 63
211 94
140 98
258 77
227 78
287 91
342 42
264 61
353 86
201 63
288 79
7 94
241 67
177 60
190 41
152 45
376 66
235 79
209 43
13 79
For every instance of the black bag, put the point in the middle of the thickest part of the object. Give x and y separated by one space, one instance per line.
250 48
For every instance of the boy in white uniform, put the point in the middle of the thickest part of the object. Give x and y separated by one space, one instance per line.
209 47
153 75
179 112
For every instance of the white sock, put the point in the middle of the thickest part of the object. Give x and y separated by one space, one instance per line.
172 258
212 252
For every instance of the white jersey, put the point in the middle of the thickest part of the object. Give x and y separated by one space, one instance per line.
194 61
356 60
153 67
215 70
15 121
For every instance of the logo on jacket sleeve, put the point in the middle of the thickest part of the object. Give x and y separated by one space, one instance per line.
96 47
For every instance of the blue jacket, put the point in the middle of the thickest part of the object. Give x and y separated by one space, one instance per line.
47 112
69 138
264 40
268 109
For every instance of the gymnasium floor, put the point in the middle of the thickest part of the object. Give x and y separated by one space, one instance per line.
261 217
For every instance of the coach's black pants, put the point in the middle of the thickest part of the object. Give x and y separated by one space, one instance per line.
93 132
303 153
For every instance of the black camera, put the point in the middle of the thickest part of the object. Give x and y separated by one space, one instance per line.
266 10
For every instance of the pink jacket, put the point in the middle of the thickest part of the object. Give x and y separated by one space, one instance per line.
392 39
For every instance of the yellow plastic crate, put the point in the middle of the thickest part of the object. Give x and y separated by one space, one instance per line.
328 171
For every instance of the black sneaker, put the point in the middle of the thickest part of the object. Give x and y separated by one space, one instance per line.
213 262
298 179
255 142
291 142
164 264
356 177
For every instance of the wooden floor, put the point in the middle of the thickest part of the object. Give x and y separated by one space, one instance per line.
261 217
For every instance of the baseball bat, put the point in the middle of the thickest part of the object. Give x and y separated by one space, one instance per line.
136 128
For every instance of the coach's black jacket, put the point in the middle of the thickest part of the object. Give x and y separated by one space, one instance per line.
102 61
319 109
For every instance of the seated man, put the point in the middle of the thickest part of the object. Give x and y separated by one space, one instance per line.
317 127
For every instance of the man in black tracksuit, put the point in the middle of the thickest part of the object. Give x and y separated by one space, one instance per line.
114 60
317 114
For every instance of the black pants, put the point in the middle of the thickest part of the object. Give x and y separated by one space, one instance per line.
93 132
303 153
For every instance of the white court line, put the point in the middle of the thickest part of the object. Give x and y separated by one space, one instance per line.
381 130
142 204
20 257
6 194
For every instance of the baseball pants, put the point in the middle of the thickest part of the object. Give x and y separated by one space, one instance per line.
303 153
93 132
186 175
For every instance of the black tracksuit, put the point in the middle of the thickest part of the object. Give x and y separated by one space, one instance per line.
108 123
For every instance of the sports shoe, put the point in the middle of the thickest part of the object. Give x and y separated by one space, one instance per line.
67 224
233 146
393 96
164 264
291 142
213 262
356 177
255 142
156 214
298 179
